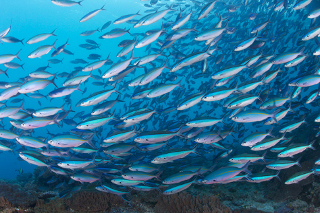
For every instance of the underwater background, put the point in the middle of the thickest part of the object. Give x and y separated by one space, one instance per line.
174 139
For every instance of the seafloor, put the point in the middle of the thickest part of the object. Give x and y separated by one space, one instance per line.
27 194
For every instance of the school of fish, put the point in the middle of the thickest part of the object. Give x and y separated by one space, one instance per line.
217 91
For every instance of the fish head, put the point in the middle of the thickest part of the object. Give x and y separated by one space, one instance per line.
95 112
204 181
51 142
86 103
137 139
306 37
158 160
80 126
271 167
205 98
233 160
167 192
127 120
291 182
245 143
24 125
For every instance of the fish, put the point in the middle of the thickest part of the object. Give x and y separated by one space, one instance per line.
91 14
42 50
254 115
66 3
40 37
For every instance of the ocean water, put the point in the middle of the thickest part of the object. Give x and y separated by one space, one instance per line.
210 161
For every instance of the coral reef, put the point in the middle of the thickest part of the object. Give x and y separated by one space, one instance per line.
4 203
240 197
187 203
17 196
54 206
86 201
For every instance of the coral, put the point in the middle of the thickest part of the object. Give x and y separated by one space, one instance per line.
18 197
248 211
186 203
56 205
4 203
86 201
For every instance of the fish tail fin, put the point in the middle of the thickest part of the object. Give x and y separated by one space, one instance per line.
264 156
102 8
301 50
132 57
277 175
273 115
62 107
311 145
6 72
55 120
290 106
194 150
194 28
21 41
14 154
78 88
226 24
21 106
198 171
54 43
128 31
269 132
17 55
245 168
158 176
53 32
283 136
298 162
22 66
89 141
179 83
219 133
52 81
79 3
